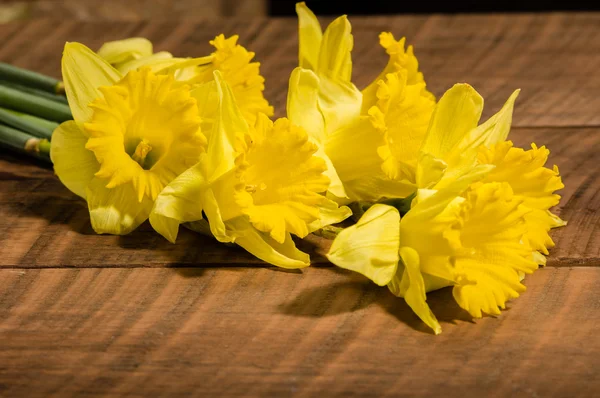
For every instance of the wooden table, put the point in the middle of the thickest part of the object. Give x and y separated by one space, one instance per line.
88 315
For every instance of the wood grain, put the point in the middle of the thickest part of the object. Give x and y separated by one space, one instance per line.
44 225
551 57
255 332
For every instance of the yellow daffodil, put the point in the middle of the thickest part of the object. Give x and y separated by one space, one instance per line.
373 154
455 144
131 136
472 241
400 60
256 186
230 58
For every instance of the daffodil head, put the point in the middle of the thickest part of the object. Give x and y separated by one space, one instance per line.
280 180
144 131
131 136
243 76
401 115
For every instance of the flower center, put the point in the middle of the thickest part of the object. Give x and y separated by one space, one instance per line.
141 151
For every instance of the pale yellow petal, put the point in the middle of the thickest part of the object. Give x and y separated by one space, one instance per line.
340 102
261 245
494 130
155 61
115 210
330 213
370 247
456 114
303 103
84 72
231 123
118 51
335 60
413 289
310 36
179 202
74 165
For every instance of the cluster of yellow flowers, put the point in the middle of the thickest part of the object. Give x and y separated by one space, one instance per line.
449 201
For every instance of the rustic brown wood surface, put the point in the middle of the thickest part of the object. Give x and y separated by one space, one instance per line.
89 315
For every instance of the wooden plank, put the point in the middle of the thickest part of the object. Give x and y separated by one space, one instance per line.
42 224
257 332
551 57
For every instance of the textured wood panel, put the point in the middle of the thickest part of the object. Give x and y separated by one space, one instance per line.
256 332
44 225
553 58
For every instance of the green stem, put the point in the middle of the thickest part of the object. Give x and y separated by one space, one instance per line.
30 124
29 78
24 143
34 91
33 105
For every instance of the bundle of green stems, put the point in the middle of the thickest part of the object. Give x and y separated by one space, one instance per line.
32 106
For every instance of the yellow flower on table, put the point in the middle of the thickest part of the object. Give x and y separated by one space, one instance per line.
230 58
370 140
472 241
131 136
256 186
479 220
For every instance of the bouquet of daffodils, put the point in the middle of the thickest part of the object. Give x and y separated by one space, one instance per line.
432 198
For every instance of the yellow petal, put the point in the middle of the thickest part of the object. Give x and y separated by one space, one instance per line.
340 102
116 210
74 165
412 288
309 37
179 202
230 126
119 51
261 245
456 114
84 72
151 61
430 170
370 247
329 213
335 60
303 103
494 130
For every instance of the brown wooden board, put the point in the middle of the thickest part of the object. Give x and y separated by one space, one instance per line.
257 332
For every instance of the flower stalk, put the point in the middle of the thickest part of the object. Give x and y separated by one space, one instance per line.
34 105
30 79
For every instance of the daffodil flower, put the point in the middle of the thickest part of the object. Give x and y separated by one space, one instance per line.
472 241
230 58
256 186
372 153
455 144
131 136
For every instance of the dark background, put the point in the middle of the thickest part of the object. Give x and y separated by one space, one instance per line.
337 7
